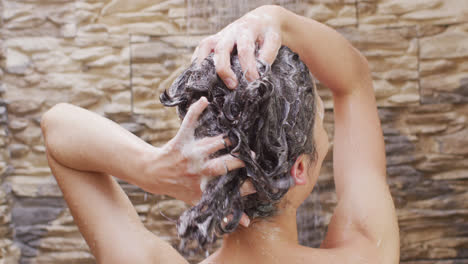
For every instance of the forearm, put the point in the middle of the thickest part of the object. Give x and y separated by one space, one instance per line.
84 141
107 219
327 54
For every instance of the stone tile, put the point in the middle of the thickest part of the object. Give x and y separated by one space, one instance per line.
43 69
443 66
216 14
36 18
449 44
393 60
47 59
9 252
81 72
429 187
454 143
84 257
335 13
427 172
39 186
62 244
124 6
397 13
1 13
156 63
143 17
16 62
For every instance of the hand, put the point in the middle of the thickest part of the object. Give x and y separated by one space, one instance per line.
259 26
183 164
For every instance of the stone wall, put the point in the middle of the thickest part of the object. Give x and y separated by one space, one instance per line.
114 57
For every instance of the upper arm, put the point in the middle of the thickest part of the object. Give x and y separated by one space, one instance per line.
107 219
365 206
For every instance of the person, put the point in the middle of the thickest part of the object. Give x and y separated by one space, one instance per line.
363 228
270 122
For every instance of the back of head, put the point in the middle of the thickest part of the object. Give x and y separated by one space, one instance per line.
269 122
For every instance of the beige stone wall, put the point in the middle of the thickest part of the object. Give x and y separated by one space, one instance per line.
115 57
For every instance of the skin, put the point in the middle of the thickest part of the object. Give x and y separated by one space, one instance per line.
363 228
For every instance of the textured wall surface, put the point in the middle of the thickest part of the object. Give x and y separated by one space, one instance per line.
115 57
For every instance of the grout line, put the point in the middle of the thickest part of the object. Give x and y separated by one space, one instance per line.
418 58
357 13
131 72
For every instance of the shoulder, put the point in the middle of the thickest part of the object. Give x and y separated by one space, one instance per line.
365 225
360 251
149 249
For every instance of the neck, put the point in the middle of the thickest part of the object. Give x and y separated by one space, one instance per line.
264 236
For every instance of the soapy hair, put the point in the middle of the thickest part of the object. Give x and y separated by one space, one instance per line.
268 121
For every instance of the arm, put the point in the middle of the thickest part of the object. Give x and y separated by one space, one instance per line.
107 219
365 205
365 210
84 141
85 149
359 152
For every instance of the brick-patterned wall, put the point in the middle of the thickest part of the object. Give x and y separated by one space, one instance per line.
115 57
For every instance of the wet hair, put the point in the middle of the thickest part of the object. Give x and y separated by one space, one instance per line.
269 122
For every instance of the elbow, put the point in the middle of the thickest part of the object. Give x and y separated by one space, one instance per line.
363 68
50 121
129 256
52 116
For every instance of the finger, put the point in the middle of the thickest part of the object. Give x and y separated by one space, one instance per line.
246 51
247 188
222 165
210 145
260 40
204 49
244 221
222 61
270 47
194 112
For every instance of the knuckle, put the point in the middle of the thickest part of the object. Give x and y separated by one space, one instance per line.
221 70
274 36
206 41
245 49
251 72
243 37
219 49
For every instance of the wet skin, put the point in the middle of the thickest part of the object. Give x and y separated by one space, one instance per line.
363 228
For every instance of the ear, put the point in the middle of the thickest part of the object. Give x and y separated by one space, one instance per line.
299 171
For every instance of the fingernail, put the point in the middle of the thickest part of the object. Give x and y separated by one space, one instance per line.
246 221
249 77
231 83
249 192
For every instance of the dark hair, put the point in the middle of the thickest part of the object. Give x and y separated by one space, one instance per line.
269 122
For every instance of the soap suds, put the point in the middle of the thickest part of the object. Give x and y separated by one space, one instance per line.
272 117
